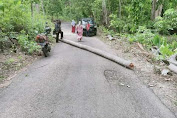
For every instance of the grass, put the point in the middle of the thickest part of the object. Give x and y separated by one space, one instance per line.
1 78
10 61
176 103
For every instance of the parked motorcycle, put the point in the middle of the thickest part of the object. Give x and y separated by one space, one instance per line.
42 40
47 29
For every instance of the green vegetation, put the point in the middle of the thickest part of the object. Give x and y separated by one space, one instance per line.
167 22
27 45
150 22
10 61
23 19
1 78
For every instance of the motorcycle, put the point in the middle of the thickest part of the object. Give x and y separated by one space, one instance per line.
42 40
47 30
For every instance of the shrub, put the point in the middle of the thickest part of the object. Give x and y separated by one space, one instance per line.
143 35
165 51
27 45
168 22
116 23
17 18
158 41
161 25
171 17
10 61
97 10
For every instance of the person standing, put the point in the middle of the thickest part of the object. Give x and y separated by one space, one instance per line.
58 30
73 24
79 29
87 28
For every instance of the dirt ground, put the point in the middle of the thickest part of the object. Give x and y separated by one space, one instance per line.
165 87
11 63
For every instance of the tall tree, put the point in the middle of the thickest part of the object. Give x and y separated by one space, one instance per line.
120 9
105 12
153 9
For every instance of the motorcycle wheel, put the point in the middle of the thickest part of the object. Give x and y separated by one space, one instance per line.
45 51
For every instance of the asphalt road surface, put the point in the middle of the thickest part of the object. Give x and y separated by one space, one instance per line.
73 83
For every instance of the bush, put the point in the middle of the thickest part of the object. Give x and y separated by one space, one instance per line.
35 26
17 18
158 41
9 61
26 45
171 17
167 23
97 10
143 35
116 23
165 51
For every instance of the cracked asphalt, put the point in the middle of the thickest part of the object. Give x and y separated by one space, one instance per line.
74 83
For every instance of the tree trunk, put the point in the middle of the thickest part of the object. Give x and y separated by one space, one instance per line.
32 9
37 8
42 7
106 55
153 9
120 9
105 13
173 68
159 11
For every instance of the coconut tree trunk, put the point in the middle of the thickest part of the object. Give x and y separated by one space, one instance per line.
106 55
32 9
159 11
105 13
120 9
37 8
42 7
153 10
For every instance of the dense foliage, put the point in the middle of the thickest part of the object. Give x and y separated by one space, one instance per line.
167 22
17 18
144 20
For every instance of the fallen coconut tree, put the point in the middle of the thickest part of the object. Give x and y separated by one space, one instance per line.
173 63
106 55
173 59
173 68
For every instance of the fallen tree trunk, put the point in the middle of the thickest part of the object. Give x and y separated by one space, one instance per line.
173 59
173 68
106 55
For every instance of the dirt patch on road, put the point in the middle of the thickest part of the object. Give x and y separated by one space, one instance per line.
164 87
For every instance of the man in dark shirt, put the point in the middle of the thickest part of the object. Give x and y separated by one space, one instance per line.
58 30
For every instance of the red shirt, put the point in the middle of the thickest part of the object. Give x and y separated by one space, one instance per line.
88 26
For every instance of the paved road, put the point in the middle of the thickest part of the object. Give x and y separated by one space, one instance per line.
73 83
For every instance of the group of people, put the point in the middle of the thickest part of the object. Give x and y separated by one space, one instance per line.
75 28
79 29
